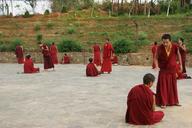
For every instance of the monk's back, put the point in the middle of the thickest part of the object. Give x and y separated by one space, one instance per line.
140 105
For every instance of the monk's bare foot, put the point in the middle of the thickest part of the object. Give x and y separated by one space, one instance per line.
179 105
163 106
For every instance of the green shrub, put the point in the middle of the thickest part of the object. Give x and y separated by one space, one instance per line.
67 45
142 39
27 14
124 46
37 27
49 24
71 30
49 41
39 37
64 9
46 12
175 37
188 29
14 43
1 34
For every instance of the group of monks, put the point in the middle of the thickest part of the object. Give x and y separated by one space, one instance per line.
49 58
141 101
168 57
108 58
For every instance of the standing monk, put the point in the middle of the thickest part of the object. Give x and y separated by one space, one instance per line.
97 57
141 104
46 57
166 59
19 54
183 51
53 52
107 55
154 50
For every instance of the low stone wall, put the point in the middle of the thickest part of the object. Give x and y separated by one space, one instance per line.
82 57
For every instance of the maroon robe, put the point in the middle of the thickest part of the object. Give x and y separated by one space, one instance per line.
19 54
47 57
183 58
66 60
97 56
53 52
154 50
166 92
114 60
140 107
107 53
91 70
29 66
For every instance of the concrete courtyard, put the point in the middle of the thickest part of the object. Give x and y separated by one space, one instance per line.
66 98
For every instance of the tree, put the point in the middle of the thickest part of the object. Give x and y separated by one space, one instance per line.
32 3
168 8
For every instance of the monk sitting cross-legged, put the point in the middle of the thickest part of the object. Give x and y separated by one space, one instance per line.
29 66
91 70
141 104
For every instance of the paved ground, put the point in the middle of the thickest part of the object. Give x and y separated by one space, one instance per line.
66 98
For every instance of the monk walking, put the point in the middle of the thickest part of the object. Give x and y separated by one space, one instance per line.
29 66
107 56
19 54
97 56
53 52
166 59
141 104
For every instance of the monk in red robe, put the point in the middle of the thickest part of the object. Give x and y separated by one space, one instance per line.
154 50
53 52
166 59
114 60
183 52
66 59
141 104
91 70
97 56
107 55
29 66
19 54
46 57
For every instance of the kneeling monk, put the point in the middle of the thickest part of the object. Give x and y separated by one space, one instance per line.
91 70
141 104
29 66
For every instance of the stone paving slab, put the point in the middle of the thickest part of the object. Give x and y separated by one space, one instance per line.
66 98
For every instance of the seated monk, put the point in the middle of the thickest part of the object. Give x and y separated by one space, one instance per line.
91 70
66 59
29 66
141 104
114 60
179 74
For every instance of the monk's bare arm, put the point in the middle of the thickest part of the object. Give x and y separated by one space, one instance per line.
154 103
180 61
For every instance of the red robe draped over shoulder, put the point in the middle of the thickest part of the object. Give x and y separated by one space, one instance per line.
166 91
29 66
107 54
47 57
19 54
153 50
97 56
140 107
53 52
91 70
